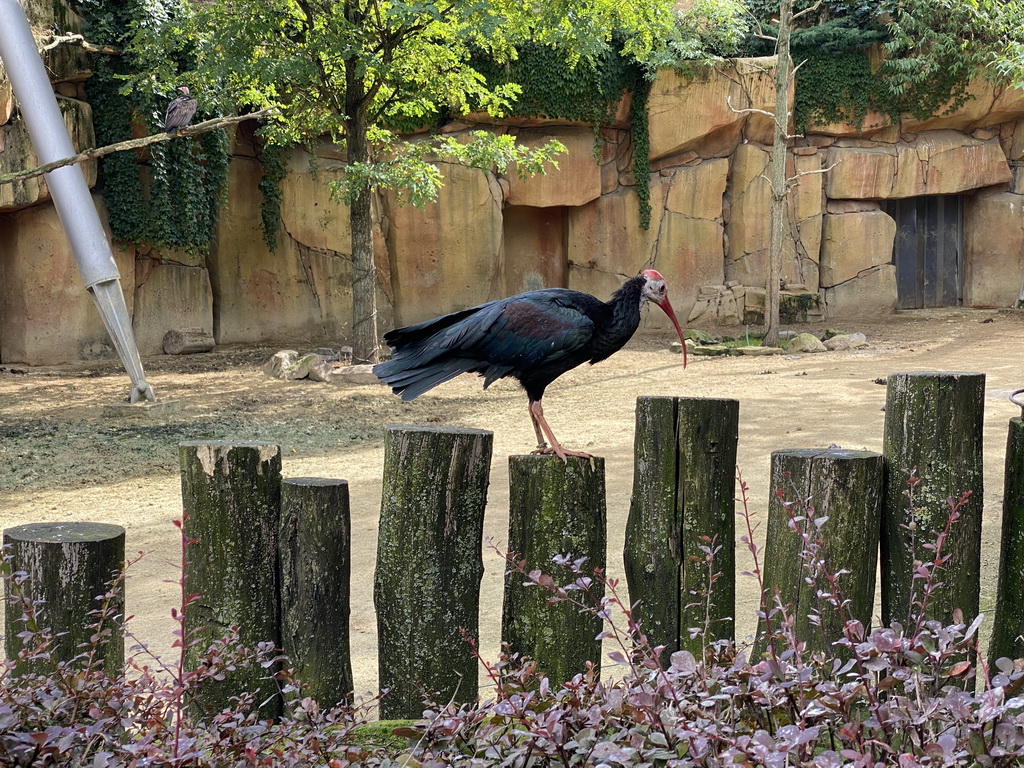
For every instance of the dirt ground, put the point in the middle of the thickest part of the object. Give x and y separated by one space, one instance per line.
61 459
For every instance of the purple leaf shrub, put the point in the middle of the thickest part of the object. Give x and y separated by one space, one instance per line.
904 695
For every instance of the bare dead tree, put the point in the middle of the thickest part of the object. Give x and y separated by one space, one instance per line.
778 180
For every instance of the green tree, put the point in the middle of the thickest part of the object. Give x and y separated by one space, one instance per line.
362 71
950 42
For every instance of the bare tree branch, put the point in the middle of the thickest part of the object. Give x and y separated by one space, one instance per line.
766 113
794 181
52 41
795 16
121 146
805 11
747 110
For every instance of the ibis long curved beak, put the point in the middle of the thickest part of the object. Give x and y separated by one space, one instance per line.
667 307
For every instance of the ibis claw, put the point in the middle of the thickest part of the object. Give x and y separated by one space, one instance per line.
560 452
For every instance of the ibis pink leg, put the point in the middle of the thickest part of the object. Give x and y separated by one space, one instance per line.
540 424
541 442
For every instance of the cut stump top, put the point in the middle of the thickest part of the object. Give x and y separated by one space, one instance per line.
63 533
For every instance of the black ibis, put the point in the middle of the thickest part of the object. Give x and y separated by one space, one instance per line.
179 111
534 337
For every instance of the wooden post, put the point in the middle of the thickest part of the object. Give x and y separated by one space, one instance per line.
1008 630
316 555
684 488
933 424
429 565
231 494
846 487
68 566
555 508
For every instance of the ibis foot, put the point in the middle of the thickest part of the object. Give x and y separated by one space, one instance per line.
560 452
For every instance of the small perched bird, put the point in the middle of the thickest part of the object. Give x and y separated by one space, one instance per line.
534 337
179 111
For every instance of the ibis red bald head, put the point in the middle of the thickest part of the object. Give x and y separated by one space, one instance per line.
656 291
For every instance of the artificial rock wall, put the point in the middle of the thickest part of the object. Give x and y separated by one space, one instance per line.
491 235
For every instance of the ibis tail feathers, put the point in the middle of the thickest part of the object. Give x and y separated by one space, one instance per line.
412 381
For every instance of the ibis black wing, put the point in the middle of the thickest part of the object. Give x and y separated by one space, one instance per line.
509 337
541 328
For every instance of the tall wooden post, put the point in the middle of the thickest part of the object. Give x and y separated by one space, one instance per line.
933 426
555 508
68 565
429 564
684 488
231 494
316 556
1008 631
807 485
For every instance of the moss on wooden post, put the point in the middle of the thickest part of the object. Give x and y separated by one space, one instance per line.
68 566
429 564
846 487
231 494
1008 630
684 487
555 508
316 556
933 426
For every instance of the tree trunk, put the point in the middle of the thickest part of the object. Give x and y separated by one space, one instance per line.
365 342
316 555
1008 630
68 565
846 487
933 424
231 493
684 483
426 586
777 226
555 508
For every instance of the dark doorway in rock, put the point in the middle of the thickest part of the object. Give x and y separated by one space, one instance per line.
535 248
928 251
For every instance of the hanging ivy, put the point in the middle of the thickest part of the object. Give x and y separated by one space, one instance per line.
271 159
172 198
641 149
843 87
553 88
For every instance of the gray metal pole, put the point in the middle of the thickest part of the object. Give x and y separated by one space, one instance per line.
71 195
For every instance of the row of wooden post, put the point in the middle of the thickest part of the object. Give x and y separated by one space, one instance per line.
284 578
271 557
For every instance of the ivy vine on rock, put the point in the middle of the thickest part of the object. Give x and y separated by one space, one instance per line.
271 160
172 197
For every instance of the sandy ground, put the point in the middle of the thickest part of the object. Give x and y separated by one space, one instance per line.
61 459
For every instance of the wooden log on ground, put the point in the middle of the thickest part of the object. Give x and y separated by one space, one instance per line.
426 585
1008 630
68 566
188 342
316 556
933 427
555 508
231 493
846 487
684 488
